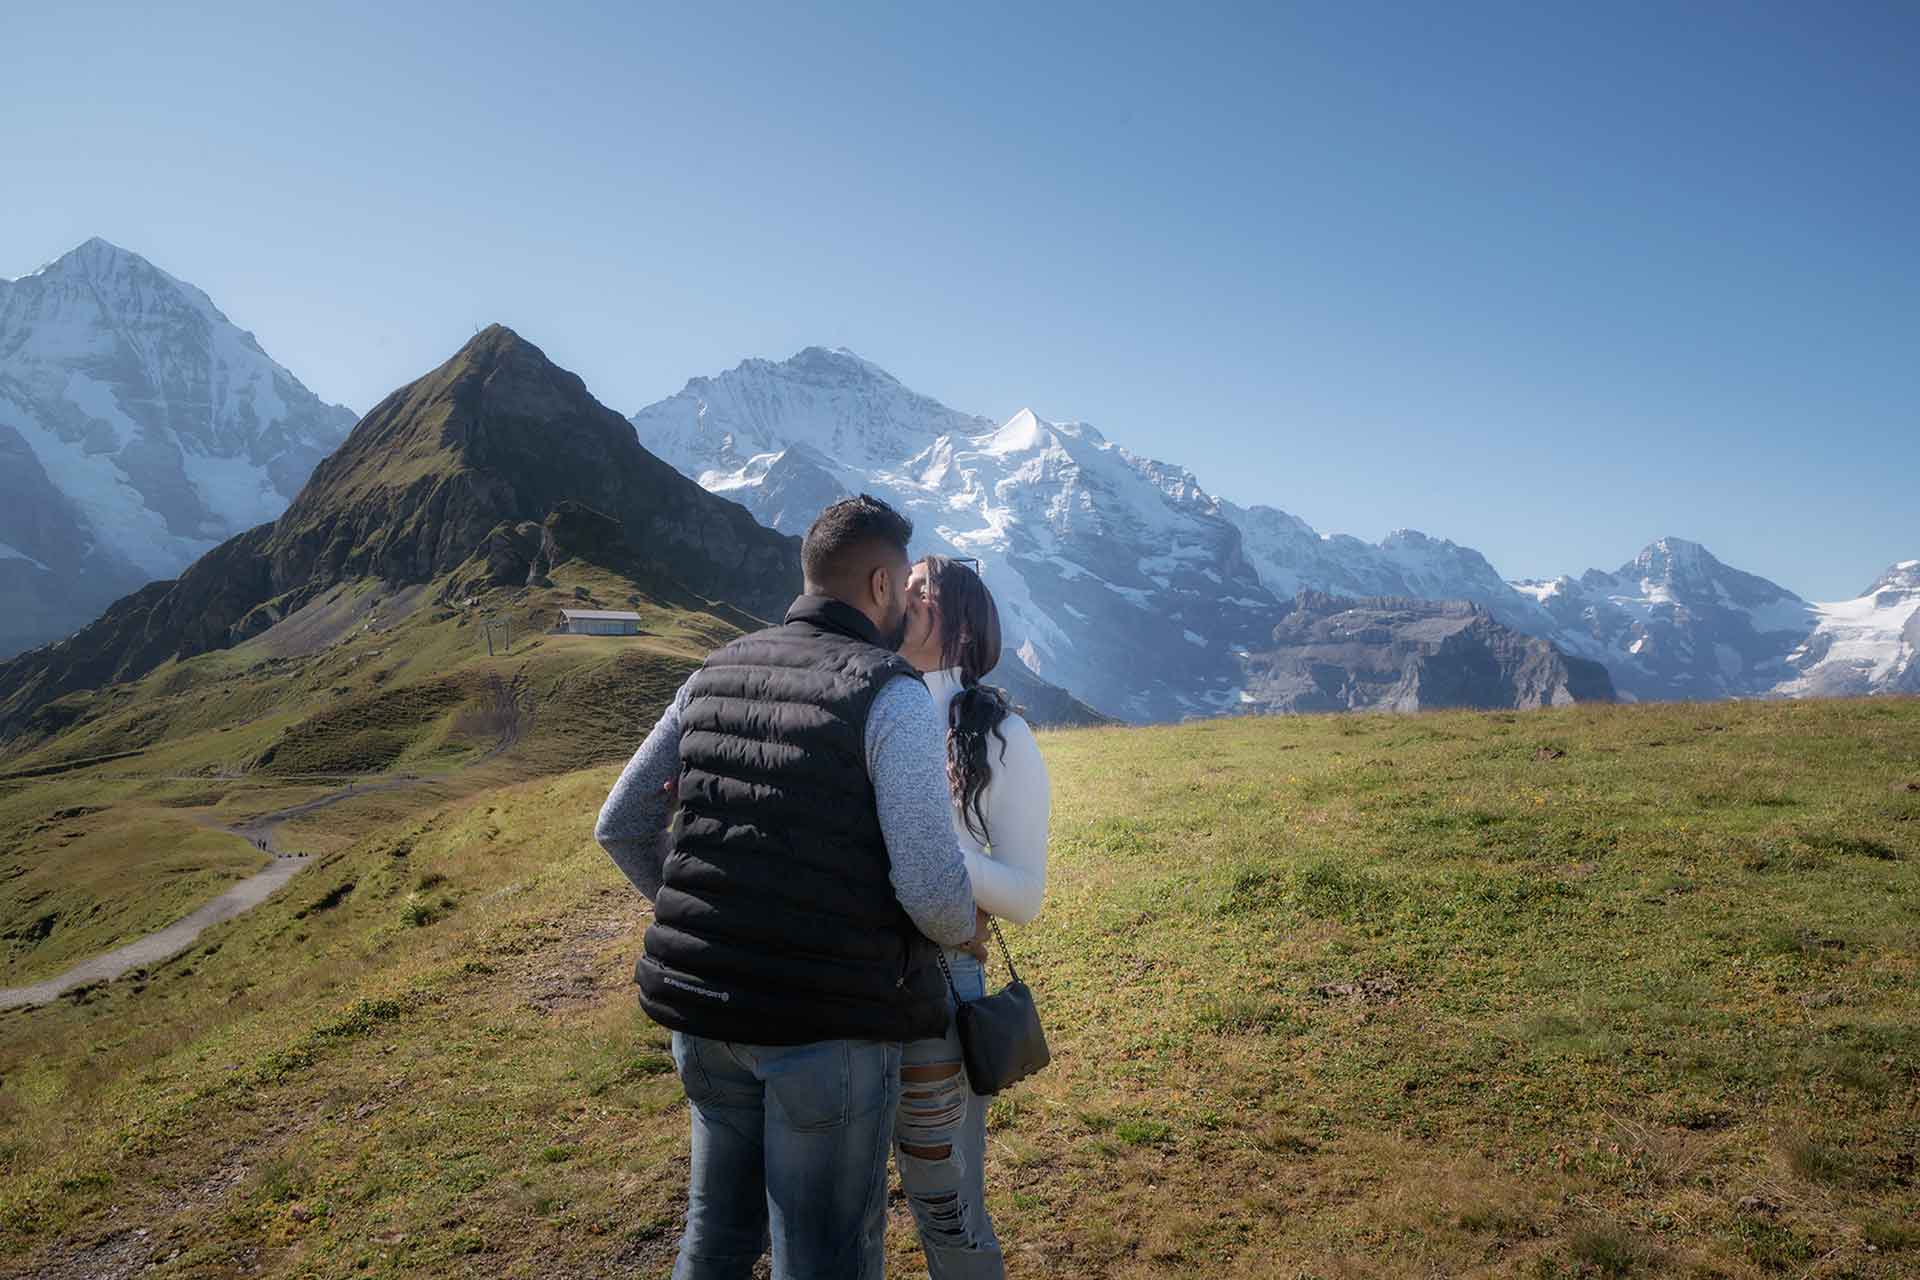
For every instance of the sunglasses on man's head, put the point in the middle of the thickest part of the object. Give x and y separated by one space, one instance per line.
978 566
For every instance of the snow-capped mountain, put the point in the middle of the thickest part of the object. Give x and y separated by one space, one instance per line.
1870 644
139 427
1675 622
831 408
1126 582
1118 576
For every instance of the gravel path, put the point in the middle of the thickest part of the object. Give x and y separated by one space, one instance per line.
256 889
166 943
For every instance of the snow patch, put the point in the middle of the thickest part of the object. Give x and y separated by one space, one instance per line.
14 553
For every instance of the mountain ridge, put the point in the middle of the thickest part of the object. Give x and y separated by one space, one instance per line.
494 437
1081 556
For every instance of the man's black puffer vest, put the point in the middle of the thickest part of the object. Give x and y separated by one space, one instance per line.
776 922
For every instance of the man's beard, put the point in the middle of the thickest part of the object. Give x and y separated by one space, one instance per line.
897 635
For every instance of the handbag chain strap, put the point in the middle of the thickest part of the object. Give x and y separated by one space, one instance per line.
993 923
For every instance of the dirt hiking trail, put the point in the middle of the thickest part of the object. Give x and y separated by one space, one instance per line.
164 944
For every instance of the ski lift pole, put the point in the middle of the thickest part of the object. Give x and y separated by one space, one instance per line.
488 622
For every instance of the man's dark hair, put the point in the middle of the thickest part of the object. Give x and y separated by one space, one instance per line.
838 535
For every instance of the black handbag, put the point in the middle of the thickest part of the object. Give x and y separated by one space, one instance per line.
1000 1037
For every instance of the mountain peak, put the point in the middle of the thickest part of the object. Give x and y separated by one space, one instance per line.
493 343
497 397
98 259
141 428
496 332
1410 538
1024 431
500 433
1671 558
126 283
849 409
838 362
1903 576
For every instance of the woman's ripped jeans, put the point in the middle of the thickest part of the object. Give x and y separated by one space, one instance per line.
940 1140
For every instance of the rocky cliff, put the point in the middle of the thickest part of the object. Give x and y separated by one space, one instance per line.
1397 654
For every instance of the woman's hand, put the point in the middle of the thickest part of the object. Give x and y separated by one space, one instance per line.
982 930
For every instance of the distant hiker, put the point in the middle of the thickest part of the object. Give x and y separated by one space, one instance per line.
813 850
1000 803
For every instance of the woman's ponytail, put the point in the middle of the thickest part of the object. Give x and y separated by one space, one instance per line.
975 712
969 640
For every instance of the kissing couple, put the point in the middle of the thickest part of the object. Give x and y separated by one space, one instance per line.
827 818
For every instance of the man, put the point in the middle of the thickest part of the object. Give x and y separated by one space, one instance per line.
814 848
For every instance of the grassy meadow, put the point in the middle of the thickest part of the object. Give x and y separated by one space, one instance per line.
1602 991
366 684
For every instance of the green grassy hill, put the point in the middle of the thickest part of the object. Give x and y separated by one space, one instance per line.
367 682
1600 992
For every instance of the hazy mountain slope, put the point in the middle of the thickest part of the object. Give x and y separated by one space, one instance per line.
139 427
497 436
1291 557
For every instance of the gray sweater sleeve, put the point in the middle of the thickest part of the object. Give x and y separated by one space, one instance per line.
906 758
633 822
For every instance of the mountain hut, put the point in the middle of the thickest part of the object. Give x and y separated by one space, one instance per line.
599 622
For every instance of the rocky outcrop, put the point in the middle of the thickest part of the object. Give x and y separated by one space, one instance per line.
1396 654
526 554
451 465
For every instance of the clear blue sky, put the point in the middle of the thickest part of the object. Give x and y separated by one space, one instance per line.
1548 279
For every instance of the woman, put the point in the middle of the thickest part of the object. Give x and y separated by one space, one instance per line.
1000 807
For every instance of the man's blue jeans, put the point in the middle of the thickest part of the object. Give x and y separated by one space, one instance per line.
789 1149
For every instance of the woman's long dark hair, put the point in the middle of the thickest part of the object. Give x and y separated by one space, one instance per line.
970 640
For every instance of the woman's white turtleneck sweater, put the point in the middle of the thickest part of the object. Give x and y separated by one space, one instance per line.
1009 873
